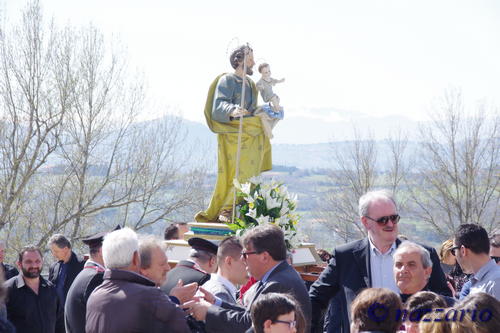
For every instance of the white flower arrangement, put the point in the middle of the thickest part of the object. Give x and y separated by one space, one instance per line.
266 203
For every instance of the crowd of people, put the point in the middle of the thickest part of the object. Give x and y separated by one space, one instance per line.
376 284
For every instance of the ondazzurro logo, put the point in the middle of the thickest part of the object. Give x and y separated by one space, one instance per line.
380 313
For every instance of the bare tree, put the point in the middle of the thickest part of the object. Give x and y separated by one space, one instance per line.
73 154
34 100
458 169
356 170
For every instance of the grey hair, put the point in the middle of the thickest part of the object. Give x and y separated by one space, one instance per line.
201 255
424 254
118 248
60 241
366 200
146 246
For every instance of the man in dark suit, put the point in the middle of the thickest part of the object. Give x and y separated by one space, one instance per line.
7 270
201 263
264 252
64 271
363 264
85 282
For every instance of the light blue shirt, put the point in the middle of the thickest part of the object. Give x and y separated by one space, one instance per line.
487 280
381 266
266 276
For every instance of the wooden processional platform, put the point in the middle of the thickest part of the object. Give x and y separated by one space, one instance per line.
305 259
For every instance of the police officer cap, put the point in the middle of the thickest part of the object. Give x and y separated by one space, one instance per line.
203 245
97 238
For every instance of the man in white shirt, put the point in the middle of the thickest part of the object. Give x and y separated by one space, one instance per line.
231 271
472 249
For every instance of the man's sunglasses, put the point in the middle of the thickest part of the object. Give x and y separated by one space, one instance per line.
452 250
246 254
384 219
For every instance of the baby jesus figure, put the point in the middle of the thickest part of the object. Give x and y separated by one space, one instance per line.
265 86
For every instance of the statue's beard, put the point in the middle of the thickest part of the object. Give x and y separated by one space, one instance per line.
249 71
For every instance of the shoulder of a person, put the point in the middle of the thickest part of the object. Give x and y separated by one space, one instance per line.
349 247
427 247
9 266
11 282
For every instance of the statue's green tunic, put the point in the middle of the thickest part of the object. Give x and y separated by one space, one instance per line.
255 154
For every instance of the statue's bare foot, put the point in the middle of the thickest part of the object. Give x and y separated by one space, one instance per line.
225 216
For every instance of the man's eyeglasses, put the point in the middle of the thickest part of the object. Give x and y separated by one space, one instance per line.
292 324
246 254
497 259
384 219
452 250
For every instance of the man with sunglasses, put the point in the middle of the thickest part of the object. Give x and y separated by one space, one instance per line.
366 263
264 253
471 247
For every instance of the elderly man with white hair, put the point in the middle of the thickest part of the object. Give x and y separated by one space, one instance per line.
127 301
412 270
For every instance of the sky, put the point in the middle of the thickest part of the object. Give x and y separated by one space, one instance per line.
341 59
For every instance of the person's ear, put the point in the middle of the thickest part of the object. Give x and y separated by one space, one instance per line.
267 325
136 260
364 221
428 272
19 265
265 256
228 261
463 250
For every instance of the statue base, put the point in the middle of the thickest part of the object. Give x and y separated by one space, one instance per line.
178 250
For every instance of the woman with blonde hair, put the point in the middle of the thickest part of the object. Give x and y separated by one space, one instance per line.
455 277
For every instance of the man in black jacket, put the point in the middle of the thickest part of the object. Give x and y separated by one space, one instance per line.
201 263
363 264
86 281
32 303
64 271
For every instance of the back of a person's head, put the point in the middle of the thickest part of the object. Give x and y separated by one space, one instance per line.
483 309
324 255
171 232
433 323
231 247
272 305
269 238
419 303
118 248
60 241
376 309
473 237
464 325
200 256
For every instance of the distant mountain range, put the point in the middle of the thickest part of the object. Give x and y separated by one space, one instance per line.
311 155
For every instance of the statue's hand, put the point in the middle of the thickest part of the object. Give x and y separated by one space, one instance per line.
239 112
